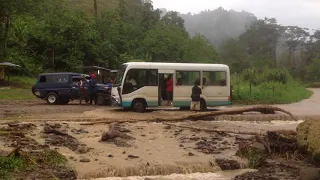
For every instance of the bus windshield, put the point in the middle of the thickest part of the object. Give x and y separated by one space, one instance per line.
119 75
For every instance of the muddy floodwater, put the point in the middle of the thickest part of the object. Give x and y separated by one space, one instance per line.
145 150
226 175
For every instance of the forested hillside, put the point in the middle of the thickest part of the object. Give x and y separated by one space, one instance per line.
64 35
61 35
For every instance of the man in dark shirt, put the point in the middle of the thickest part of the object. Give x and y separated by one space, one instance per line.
91 89
195 96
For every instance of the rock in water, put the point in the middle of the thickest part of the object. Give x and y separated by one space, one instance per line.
84 160
308 137
228 164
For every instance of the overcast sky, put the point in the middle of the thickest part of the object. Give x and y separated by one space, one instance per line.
304 13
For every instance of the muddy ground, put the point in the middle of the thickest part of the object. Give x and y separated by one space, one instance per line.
149 149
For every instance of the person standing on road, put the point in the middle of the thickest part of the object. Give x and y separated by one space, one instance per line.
169 90
91 89
195 96
83 92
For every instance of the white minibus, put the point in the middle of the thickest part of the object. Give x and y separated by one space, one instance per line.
141 85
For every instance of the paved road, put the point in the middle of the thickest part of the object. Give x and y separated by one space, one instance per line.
307 107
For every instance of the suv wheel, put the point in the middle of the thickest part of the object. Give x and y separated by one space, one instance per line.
52 98
139 106
100 99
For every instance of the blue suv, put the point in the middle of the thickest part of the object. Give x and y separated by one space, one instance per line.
60 88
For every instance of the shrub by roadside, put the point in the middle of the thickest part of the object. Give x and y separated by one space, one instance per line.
24 82
16 94
313 85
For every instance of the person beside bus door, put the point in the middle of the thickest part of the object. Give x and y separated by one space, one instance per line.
169 90
91 89
195 96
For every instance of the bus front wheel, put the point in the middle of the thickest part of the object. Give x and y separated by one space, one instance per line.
139 106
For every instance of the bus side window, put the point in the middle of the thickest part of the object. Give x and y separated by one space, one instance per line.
187 78
151 77
215 78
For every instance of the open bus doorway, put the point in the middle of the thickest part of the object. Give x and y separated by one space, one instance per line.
165 85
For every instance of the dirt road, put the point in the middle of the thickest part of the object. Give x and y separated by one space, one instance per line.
38 110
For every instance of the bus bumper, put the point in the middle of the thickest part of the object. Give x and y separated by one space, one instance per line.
115 101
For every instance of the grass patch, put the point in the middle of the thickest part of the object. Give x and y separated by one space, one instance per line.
16 94
269 87
47 164
11 165
270 93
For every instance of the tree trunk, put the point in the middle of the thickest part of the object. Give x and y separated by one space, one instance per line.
52 56
4 39
95 6
265 109
274 54
289 57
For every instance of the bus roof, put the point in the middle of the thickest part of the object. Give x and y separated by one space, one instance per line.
178 66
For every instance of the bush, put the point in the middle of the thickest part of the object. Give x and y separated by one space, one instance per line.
23 81
273 86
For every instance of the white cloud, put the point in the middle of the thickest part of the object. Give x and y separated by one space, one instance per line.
304 13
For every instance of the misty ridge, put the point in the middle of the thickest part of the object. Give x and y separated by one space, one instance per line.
288 46
217 25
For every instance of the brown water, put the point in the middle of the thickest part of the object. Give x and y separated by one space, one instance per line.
225 175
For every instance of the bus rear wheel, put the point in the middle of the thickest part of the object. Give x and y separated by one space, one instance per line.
139 106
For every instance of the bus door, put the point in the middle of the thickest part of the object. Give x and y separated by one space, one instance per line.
162 95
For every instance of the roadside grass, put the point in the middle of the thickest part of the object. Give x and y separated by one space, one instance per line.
18 88
270 93
267 87
16 94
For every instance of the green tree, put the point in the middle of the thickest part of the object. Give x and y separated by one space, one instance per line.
165 43
172 18
261 40
199 49
294 37
8 10
232 52
313 70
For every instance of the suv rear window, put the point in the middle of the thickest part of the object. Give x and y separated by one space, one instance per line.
54 79
42 79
